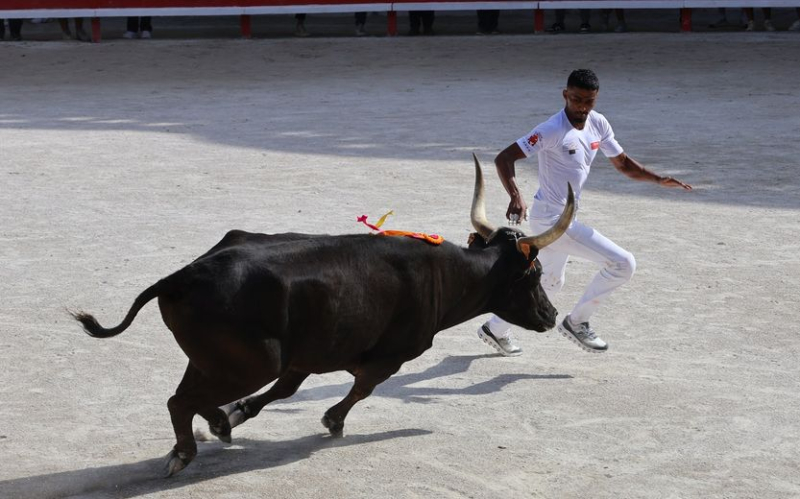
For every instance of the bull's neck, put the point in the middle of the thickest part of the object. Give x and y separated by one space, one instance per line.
466 292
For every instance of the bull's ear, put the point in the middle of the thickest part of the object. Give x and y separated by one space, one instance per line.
530 251
525 249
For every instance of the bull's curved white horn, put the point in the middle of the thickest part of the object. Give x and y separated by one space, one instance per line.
478 213
554 232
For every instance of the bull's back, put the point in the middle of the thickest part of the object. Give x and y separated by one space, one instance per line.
330 300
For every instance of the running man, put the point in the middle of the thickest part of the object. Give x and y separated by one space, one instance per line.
566 145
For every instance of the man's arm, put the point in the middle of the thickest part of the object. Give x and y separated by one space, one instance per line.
504 162
633 169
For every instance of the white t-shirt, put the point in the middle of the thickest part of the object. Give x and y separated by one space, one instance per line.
566 153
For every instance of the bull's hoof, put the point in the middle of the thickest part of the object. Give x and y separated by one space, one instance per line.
175 462
222 430
336 429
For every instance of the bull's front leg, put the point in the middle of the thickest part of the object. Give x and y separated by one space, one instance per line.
240 411
367 378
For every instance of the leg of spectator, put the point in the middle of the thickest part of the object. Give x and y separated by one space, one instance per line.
66 34
15 28
361 20
751 21
622 26
146 27
300 26
585 16
414 20
768 19
80 34
427 22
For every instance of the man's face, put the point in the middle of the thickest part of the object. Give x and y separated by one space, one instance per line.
579 103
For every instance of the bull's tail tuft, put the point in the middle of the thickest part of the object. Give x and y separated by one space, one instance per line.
95 330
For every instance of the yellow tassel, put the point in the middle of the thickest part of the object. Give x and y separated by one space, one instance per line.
383 218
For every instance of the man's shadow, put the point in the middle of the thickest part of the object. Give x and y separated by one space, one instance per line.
399 385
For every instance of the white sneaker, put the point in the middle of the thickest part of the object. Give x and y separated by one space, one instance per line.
795 26
505 346
751 26
146 35
360 31
768 25
130 35
583 335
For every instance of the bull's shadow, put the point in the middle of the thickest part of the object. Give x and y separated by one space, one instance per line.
214 460
399 385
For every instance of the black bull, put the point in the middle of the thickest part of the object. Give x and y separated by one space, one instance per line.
258 308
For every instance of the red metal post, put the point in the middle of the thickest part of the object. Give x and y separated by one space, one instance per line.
538 21
391 19
96 29
686 20
246 29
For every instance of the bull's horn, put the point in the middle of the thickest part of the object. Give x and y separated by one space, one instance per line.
554 232
478 213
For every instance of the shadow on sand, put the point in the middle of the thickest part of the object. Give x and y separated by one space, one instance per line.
216 459
399 386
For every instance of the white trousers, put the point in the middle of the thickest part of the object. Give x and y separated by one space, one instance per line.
616 264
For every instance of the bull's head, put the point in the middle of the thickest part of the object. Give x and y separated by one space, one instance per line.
521 301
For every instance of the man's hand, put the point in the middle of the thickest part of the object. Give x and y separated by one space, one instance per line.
517 211
673 182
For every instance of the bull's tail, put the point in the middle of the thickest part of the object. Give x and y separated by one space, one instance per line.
94 329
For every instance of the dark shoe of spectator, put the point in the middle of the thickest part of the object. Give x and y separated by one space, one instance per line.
555 28
585 28
428 32
82 36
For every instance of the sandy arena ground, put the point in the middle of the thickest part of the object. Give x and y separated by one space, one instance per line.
120 163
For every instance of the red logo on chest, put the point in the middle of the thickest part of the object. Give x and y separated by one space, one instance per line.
595 146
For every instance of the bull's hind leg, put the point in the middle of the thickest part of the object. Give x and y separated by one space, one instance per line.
199 394
247 408
368 376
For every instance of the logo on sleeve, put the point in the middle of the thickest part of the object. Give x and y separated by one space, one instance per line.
533 139
595 146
